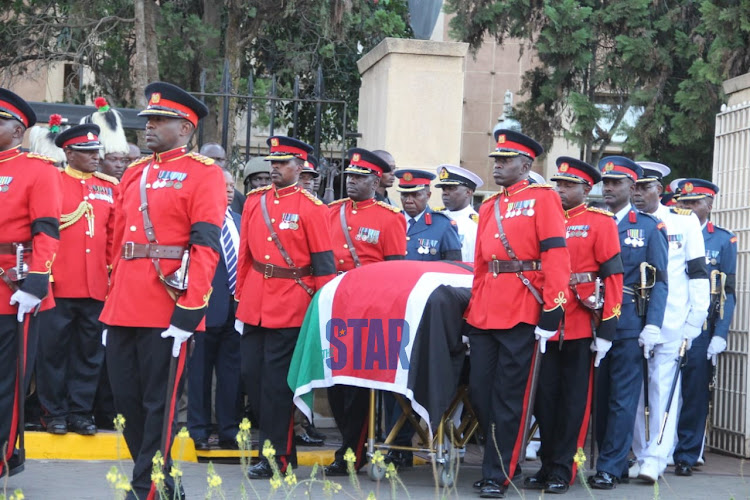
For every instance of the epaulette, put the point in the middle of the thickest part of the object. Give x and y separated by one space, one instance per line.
715 227
393 209
438 209
337 202
600 211
680 211
106 177
259 190
474 217
537 185
40 157
311 197
200 158
139 161
491 196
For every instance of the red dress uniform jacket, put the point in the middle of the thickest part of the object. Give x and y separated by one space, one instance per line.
377 230
30 200
187 200
532 218
594 246
301 222
81 269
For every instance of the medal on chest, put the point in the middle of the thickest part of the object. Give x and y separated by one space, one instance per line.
427 246
5 183
368 235
289 221
635 238
675 240
579 231
168 179
101 193
712 257
523 207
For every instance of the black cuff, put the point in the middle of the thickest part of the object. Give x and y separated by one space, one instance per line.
696 269
36 284
549 243
607 329
730 284
395 257
187 319
550 320
205 234
452 255
46 225
322 263
661 276
611 266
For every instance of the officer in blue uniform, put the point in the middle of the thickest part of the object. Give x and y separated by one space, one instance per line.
430 235
721 260
620 377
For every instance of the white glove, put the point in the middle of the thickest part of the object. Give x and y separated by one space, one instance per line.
648 338
542 336
179 335
601 347
104 337
715 347
690 332
239 326
26 302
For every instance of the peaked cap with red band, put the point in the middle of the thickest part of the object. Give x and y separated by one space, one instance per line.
165 99
80 137
619 167
12 107
285 148
412 179
311 166
512 143
364 162
696 189
575 170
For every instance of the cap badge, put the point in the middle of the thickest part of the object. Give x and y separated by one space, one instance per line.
155 98
408 177
688 187
444 173
564 167
356 157
274 142
90 136
501 139
609 166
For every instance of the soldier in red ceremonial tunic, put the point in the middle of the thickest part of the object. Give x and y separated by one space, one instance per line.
161 280
70 351
285 256
565 376
521 273
375 232
30 196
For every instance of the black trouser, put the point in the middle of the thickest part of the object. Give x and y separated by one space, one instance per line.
104 402
70 358
218 348
499 383
351 408
8 371
266 356
138 365
561 404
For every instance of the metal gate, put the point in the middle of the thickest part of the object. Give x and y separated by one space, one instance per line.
731 172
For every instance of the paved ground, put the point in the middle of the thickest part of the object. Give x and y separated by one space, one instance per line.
720 478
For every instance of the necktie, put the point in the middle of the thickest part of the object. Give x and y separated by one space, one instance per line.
410 223
230 252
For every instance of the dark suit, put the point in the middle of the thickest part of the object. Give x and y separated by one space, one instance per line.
216 349
238 202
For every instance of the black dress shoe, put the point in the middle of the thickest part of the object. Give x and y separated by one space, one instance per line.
682 468
201 444
261 470
479 484
313 432
15 466
556 485
306 439
536 482
57 426
401 459
603 481
492 489
81 425
228 444
337 468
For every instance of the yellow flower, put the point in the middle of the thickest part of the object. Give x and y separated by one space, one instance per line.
580 457
349 456
268 450
390 471
17 495
275 483
157 477
119 422
123 484
240 437
371 496
245 425
184 434
290 478
175 472
158 460
377 458
214 480
113 475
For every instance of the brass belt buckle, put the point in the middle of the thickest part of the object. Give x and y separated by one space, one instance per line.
268 271
128 250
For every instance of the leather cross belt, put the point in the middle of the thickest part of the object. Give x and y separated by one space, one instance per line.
10 248
578 278
513 266
272 271
132 250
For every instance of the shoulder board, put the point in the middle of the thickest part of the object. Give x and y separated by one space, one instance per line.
723 229
652 217
438 209
545 185
393 209
443 214
337 202
106 177
139 161
200 158
474 217
259 190
311 197
40 157
600 211
680 211
491 196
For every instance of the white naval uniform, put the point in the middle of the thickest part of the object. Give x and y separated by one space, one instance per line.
687 307
467 230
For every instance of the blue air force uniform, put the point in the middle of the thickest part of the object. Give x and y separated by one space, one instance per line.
721 257
620 378
433 236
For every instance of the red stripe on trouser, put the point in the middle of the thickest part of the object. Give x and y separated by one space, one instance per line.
284 457
359 452
14 419
172 408
585 423
520 436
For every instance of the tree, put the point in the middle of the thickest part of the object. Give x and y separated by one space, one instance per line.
598 61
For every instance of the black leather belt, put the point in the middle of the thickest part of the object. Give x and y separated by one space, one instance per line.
272 271
10 248
578 278
132 250
513 266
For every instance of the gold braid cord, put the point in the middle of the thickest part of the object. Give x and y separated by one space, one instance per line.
84 209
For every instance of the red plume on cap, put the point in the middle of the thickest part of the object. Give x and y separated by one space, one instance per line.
54 123
101 104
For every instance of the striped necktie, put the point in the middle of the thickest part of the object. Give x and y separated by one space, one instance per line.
230 252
